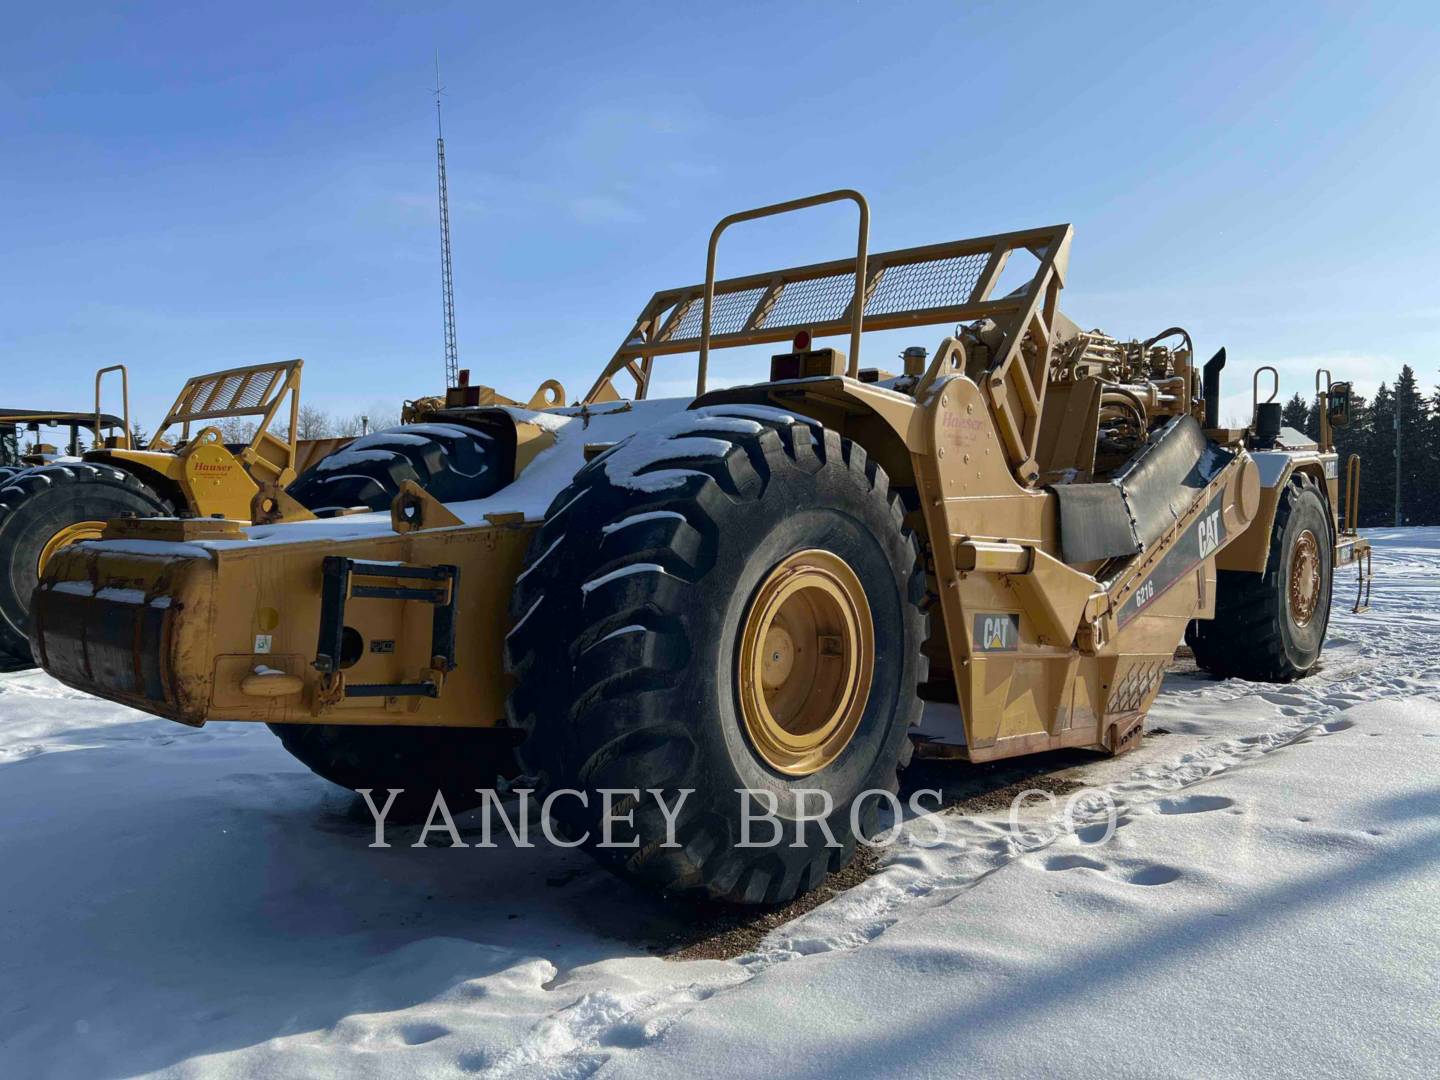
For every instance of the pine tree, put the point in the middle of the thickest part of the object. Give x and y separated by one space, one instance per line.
1430 449
1377 491
1296 413
1414 464
1312 420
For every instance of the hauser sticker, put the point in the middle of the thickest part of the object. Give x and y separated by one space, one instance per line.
997 631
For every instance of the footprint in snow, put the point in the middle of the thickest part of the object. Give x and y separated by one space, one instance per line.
1158 874
420 1034
1193 804
1072 862
1146 874
473 1061
1282 697
628 1036
1096 833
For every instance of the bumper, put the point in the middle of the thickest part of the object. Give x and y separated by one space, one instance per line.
109 624
233 631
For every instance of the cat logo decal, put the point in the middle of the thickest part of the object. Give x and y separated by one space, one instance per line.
1209 533
997 631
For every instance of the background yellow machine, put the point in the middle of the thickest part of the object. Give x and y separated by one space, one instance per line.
187 468
22 436
754 588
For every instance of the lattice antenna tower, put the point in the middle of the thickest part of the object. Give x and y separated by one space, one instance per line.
447 276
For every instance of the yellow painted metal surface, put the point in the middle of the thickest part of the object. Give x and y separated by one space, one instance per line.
1058 670
70 534
205 476
235 609
1251 550
807 654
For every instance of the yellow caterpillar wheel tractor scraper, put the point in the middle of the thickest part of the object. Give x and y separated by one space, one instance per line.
655 604
65 499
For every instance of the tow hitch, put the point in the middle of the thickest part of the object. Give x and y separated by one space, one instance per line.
341 582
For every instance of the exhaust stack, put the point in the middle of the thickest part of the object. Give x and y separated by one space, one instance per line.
1211 388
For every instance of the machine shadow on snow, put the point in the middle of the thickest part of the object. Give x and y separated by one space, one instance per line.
717 930
226 906
267 876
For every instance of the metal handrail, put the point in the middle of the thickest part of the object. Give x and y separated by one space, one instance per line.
278 454
857 305
124 394
1352 495
1255 401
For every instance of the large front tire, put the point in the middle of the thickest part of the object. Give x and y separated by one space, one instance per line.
1271 627
727 602
44 508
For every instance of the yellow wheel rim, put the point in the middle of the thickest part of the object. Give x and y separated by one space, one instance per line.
807 652
1304 578
70 534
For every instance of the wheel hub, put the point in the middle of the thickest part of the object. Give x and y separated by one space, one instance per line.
807 651
1304 578
70 534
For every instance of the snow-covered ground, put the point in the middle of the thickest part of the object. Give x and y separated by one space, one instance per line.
197 904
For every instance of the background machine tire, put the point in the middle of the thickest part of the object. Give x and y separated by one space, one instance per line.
450 461
41 507
1270 627
419 760
631 626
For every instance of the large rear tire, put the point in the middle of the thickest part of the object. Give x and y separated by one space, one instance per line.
43 509
727 601
450 461
418 760
1271 627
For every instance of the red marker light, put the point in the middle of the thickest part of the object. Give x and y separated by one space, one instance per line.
801 342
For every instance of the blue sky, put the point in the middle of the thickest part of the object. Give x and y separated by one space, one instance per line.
191 187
